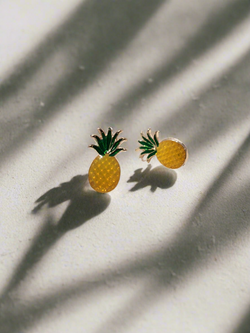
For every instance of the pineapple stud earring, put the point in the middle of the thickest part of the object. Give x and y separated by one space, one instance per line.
104 172
172 153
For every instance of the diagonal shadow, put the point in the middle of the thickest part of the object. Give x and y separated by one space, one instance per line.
207 118
192 246
158 177
212 119
200 240
93 36
98 29
83 205
185 249
214 29
64 192
244 326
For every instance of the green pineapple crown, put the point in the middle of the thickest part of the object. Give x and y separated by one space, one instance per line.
149 144
108 143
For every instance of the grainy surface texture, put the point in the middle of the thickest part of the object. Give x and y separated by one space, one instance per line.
166 250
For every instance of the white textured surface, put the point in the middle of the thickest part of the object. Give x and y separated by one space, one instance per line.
173 258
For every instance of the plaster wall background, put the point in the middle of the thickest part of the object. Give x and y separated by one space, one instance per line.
165 253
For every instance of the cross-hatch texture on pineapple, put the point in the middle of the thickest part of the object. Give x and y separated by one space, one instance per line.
104 173
171 154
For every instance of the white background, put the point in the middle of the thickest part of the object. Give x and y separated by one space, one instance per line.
176 259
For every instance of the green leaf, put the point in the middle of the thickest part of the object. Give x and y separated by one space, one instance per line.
151 154
150 137
114 138
117 143
149 151
109 136
118 150
146 144
98 149
104 138
146 140
155 138
99 142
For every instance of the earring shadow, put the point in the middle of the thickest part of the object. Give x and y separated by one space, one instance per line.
84 204
159 177
64 192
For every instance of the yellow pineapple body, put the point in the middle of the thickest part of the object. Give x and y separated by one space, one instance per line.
171 153
104 173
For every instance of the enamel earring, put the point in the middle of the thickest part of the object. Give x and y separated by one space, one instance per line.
171 152
104 172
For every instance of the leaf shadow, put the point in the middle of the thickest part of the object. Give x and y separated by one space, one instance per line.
158 177
183 249
214 29
87 42
165 269
209 112
84 204
199 241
